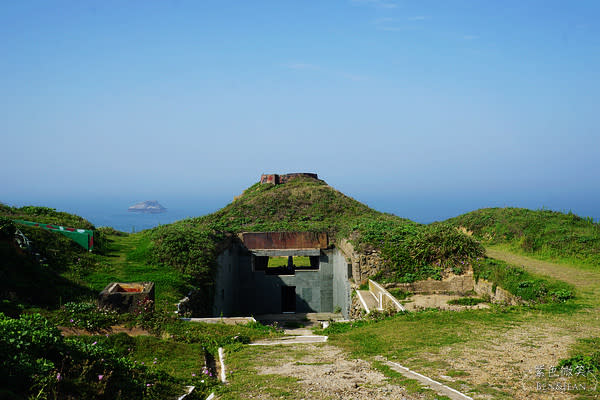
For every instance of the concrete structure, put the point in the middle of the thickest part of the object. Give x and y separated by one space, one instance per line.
276 179
125 297
245 285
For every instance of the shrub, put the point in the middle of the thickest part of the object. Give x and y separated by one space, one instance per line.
87 316
38 362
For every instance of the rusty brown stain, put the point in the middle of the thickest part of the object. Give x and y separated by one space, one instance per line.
284 240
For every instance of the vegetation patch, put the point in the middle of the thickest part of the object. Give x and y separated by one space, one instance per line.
86 316
411 251
299 261
545 234
399 293
585 357
521 283
38 362
467 301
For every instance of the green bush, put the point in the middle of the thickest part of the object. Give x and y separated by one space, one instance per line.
7 228
187 248
414 252
586 358
87 316
38 362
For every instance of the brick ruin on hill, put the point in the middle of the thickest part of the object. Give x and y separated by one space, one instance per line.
276 179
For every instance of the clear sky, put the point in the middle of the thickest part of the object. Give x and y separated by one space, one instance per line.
426 109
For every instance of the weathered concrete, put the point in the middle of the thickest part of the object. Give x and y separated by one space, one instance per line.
286 252
385 301
276 179
125 297
222 320
367 300
459 284
284 240
342 290
496 294
242 289
436 386
364 264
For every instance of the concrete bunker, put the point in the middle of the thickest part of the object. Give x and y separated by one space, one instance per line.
281 272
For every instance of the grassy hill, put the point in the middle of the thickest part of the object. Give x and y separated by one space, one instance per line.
410 250
182 255
544 234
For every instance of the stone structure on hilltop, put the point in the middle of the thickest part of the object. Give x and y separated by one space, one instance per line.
277 179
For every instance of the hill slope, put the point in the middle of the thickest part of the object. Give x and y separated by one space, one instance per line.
410 250
545 234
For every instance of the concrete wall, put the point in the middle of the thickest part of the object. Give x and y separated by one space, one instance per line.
226 283
241 291
459 284
341 284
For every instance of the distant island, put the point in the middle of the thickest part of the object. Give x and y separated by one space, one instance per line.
150 206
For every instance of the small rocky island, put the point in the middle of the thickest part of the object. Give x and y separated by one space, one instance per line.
149 206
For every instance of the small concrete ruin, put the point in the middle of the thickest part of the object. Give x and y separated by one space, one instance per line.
126 297
276 179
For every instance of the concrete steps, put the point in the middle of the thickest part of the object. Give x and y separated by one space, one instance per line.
368 300
377 298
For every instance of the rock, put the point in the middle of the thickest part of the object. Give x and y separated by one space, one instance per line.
149 206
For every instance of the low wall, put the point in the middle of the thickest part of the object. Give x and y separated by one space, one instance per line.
459 284
499 295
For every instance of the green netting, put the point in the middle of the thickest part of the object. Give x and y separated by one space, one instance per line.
83 237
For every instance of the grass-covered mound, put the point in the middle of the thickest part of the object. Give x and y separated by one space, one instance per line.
46 215
519 282
410 250
545 234
189 248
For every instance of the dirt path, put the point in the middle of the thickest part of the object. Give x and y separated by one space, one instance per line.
131 331
494 364
319 372
504 365
573 275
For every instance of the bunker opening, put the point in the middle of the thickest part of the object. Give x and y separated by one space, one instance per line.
281 272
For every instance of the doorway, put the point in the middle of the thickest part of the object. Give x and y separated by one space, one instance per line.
288 299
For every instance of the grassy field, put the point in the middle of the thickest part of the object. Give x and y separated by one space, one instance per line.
489 353
299 261
125 260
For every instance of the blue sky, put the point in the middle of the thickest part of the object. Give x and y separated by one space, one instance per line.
426 109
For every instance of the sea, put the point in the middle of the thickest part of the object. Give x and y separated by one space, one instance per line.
113 212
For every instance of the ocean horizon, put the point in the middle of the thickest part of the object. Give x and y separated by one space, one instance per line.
114 212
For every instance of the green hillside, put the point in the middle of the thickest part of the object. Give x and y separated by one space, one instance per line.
542 233
411 251
184 253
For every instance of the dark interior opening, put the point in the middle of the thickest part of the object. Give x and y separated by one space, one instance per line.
260 263
288 299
